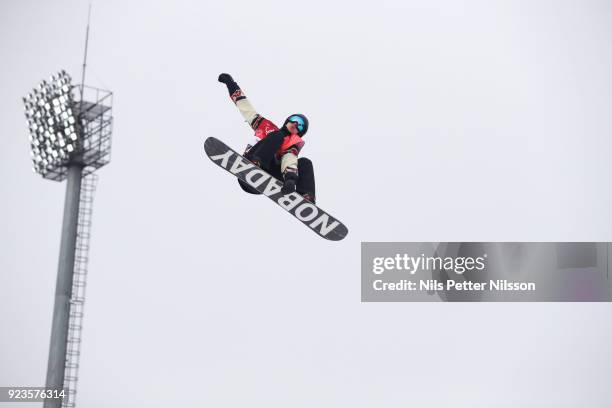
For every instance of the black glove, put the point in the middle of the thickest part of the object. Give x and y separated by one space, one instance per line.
232 87
225 78
291 179
284 131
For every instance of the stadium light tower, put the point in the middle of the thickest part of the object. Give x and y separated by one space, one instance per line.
69 139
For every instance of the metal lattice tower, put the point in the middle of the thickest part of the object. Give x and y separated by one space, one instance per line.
70 139
79 283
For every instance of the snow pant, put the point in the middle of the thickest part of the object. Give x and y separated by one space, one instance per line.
265 151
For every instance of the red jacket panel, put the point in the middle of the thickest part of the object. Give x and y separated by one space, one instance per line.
263 127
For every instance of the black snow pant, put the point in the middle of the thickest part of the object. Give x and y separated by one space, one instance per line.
264 150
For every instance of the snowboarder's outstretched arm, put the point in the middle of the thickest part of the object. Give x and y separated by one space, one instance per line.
247 111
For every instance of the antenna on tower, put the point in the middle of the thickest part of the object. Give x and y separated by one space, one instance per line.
85 56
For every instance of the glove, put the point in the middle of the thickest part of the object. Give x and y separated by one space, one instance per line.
232 87
291 179
284 131
288 187
225 78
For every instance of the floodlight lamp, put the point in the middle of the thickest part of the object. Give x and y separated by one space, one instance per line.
48 110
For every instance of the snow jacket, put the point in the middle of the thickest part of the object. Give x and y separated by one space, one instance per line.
287 154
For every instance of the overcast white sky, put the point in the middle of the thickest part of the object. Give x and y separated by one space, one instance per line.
429 121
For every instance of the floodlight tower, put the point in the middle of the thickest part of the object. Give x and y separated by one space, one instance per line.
70 138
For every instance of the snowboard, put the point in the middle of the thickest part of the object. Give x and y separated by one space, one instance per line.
308 213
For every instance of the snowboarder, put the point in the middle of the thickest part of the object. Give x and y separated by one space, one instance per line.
275 150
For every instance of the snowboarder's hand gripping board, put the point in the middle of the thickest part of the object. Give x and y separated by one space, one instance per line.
312 216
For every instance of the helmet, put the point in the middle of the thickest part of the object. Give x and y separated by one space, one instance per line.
301 122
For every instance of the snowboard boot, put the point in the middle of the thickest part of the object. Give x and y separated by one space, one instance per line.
309 197
256 161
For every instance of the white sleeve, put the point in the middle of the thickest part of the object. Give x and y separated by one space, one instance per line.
246 110
289 162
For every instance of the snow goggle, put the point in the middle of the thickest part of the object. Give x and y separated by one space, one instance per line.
298 120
